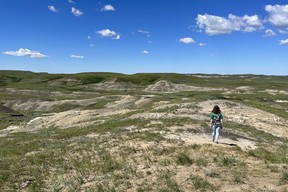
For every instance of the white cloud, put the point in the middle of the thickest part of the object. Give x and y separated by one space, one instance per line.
215 25
108 33
283 42
145 52
25 52
77 56
251 23
202 44
278 15
269 33
76 12
108 8
147 33
117 37
71 2
142 31
187 40
52 8
283 31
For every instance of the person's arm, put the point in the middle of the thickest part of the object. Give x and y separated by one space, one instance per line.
221 120
211 120
211 123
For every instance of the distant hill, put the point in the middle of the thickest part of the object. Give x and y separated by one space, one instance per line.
30 80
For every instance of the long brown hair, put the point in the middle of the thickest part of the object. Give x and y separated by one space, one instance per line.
216 109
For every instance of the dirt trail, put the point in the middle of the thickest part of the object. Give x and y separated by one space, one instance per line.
192 138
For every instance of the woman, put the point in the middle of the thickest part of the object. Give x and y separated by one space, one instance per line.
216 122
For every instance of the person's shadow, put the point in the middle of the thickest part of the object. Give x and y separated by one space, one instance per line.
229 144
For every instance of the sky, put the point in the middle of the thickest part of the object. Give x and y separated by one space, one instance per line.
145 36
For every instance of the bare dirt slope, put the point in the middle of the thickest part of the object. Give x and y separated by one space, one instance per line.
232 111
169 87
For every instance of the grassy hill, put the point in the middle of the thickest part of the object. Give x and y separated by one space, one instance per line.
142 132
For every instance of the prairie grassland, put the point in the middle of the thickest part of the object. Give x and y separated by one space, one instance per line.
78 136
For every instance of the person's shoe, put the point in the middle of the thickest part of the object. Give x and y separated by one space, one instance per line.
217 142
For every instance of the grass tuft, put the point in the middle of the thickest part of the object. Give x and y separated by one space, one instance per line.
183 159
201 184
284 178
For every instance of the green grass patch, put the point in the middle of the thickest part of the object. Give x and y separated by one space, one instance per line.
168 183
201 162
108 163
183 158
201 184
239 176
277 155
65 107
284 178
146 136
100 104
228 161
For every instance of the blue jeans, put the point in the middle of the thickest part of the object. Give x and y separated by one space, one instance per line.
215 132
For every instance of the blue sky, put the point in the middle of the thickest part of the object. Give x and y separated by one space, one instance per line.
145 36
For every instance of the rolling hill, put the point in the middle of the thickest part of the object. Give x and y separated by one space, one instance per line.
142 132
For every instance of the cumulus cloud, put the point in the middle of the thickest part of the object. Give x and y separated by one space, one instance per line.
76 12
145 52
25 52
283 42
52 8
187 40
202 44
216 25
108 8
278 16
269 33
108 33
77 56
